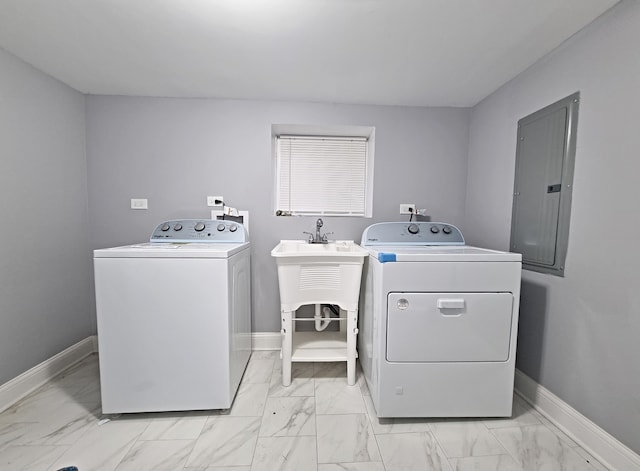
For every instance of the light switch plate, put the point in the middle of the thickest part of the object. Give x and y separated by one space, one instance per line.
139 203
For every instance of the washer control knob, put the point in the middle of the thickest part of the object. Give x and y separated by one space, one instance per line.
165 227
220 227
233 228
177 227
446 230
199 227
434 229
413 229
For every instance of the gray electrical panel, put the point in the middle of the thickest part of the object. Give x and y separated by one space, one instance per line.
543 183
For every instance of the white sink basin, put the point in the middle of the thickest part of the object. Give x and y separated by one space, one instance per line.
319 273
298 248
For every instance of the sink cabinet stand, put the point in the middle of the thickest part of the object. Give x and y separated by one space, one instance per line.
320 346
319 274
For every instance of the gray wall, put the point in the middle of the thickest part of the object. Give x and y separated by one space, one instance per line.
579 335
45 264
175 152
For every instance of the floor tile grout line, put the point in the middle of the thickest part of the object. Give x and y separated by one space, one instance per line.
375 436
315 409
194 441
442 448
513 456
479 422
524 426
127 452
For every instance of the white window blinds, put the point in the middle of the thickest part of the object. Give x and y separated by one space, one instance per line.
321 175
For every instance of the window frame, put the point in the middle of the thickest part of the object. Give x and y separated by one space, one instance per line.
361 133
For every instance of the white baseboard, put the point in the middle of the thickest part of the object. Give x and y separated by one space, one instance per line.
266 340
17 388
603 446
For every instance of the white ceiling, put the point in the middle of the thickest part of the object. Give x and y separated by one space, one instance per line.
392 52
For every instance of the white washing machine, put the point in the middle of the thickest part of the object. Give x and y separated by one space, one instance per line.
438 322
174 318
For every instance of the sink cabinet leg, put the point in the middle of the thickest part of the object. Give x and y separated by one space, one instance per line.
352 332
287 340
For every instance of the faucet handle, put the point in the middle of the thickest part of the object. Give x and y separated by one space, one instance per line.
324 237
310 235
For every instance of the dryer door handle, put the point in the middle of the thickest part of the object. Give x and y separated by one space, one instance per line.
450 303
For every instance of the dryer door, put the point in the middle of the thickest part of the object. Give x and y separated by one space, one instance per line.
449 327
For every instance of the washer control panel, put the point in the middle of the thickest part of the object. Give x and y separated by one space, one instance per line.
200 230
412 233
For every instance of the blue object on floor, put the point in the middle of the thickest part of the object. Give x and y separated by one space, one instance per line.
69 468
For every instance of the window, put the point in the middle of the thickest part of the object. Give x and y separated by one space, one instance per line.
543 184
327 175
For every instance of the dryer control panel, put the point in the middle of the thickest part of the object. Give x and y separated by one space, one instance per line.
412 234
200 230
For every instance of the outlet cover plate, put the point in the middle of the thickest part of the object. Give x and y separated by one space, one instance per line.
407 208
211 200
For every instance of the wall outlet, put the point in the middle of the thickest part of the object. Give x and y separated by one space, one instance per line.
139 203
211 200
407 208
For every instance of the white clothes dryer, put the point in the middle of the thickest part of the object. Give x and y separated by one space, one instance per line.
438 322
174 318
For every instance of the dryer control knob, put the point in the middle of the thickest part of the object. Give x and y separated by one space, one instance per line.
220 227
413 229
199 227
165 227
434 229
233 228
446 230
177 227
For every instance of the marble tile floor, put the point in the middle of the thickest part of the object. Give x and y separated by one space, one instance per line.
317 424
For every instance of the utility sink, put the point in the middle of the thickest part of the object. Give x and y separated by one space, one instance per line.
319 273
302 248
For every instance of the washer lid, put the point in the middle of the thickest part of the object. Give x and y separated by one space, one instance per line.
172 250
460 253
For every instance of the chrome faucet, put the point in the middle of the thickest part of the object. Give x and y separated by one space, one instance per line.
318 239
